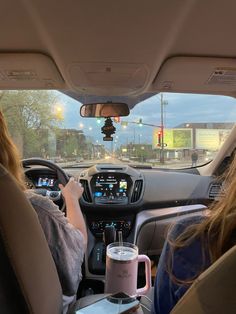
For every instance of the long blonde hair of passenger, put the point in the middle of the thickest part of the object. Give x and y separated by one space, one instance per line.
216 229
9 155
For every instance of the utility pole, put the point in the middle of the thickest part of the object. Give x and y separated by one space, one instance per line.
162 133
162 155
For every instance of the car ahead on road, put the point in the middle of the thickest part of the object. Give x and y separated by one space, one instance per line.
171 62
79 159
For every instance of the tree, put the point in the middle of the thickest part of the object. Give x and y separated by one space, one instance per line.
30 116
71 143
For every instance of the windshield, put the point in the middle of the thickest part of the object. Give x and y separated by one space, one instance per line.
165 130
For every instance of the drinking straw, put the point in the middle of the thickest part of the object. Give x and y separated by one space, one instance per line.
120 238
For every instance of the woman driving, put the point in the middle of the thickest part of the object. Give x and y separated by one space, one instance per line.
66 236
193 244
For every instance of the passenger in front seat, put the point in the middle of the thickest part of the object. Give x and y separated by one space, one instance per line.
193 244
66 237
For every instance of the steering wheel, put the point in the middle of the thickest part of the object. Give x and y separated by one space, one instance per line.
61 175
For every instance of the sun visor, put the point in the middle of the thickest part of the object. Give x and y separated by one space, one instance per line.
29 71
197 74
108 78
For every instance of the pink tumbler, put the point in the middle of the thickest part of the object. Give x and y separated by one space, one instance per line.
122 269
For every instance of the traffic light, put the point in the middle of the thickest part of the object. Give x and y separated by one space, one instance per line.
159 138
124 124
140 123
117 119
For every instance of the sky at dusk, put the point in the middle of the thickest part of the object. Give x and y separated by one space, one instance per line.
180 108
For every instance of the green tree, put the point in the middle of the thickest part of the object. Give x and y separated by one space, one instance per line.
27 114
70 143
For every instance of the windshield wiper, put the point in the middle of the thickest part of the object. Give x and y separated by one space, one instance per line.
87 165
141 166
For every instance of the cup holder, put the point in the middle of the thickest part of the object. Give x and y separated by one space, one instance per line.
89 286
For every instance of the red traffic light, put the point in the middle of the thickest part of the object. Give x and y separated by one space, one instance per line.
117 119
159 138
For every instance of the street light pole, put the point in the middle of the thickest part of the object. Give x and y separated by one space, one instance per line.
134 135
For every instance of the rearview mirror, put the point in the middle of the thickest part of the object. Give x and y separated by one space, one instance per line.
104 110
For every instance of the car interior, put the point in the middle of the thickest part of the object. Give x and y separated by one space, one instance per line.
114 51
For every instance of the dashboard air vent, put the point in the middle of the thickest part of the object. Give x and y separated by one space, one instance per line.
216 191
138 185
86 195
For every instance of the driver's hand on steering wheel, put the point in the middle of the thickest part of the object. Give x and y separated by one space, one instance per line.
72 190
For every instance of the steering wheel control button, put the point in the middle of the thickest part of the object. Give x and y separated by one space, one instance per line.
54 195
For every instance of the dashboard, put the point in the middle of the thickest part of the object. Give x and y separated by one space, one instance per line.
44 181
116 188
116 194
41 178
119 195
141 203
110 187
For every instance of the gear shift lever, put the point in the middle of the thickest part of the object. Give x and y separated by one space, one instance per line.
109 235
97 258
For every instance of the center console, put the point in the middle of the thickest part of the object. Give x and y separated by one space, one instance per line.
110 188
105 187
97 227
110 198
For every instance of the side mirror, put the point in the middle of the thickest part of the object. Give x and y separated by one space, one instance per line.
104 110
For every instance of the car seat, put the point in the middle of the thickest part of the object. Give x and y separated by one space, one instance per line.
28 277
29 281
213 292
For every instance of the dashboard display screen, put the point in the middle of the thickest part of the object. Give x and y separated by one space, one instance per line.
45 182
110 186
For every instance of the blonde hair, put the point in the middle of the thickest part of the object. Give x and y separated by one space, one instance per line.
9 155
215 230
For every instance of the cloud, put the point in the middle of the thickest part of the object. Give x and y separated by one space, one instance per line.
181 108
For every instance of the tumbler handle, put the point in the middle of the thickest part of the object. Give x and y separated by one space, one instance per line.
146 260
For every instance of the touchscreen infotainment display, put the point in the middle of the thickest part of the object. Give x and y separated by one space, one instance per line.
111 186
48 182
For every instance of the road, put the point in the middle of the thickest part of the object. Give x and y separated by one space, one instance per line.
169 164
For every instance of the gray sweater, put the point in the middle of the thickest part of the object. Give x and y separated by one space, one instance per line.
64 240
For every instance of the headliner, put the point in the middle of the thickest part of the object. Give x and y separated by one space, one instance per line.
119 48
